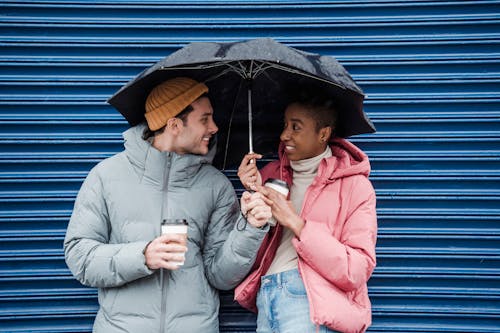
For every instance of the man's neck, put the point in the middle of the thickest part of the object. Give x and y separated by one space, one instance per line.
165 142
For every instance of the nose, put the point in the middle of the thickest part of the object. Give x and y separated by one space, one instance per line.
213 127
285 135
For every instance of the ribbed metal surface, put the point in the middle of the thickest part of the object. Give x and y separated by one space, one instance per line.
431 70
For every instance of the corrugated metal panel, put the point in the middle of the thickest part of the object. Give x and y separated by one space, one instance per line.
431 70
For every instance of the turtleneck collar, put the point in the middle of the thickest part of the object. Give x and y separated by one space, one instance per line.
309 166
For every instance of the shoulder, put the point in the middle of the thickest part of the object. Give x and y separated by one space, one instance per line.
213 177
110 165
106 168
217 183
360 190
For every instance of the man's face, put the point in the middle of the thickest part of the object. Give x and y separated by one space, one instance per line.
194 136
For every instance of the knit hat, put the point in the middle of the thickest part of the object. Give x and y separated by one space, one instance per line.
169 98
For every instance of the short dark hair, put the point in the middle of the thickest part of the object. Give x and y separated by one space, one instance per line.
148 134
319 105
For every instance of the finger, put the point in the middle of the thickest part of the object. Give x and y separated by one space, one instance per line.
268 201
173 247
175 238
255 202
249 177
273 195
246 173
261 212
250 157
173 256
246 196
262 189
262 196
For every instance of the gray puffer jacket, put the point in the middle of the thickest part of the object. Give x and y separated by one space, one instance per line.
119 210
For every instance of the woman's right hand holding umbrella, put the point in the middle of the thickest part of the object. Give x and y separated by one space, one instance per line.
248 173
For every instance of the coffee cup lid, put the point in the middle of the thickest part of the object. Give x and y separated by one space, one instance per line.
174 221
277 182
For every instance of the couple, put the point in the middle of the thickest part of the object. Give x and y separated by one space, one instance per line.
307 274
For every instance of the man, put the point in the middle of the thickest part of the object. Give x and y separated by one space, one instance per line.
113 239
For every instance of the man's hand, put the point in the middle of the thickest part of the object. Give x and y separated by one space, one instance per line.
256 208
248 173
166 251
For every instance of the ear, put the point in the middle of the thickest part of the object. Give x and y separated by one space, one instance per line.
173 125
325 134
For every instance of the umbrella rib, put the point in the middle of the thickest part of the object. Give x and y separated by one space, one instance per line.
294 71
240 71
253 74
230 126
220 74
261 69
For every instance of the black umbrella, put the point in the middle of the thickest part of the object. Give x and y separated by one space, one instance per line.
250 84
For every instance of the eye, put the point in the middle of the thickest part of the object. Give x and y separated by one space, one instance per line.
295 127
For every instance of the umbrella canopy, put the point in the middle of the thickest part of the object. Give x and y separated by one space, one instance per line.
249 86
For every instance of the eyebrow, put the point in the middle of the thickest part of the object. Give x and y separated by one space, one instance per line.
297 120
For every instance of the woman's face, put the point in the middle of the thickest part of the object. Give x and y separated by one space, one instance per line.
300 136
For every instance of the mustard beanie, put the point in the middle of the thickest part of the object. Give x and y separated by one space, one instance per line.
169 98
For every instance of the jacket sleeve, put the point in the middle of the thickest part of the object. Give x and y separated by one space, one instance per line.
348 262
231 244
88 255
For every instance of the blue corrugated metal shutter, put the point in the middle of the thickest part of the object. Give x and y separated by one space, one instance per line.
431 70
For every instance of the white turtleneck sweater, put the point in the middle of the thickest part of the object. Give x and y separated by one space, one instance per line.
304 172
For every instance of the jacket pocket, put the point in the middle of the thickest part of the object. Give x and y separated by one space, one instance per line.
139 298
188 291
107 297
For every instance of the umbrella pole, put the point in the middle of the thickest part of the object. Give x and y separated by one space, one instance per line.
250 129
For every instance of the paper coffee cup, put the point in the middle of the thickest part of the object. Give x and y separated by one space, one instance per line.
175 226
278 185
281 187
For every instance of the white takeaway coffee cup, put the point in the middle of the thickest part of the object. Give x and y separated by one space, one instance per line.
281 187
175 226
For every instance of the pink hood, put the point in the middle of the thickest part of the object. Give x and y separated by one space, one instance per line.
336 248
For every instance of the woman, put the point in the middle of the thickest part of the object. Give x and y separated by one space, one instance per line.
312 269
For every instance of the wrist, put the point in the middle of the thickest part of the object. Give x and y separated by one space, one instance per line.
298 225
144 254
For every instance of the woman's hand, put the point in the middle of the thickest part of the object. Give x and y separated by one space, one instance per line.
283 210
248 173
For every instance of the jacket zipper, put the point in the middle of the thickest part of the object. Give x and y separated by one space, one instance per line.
163 272
163 300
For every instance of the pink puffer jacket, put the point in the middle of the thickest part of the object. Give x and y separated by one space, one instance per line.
336 249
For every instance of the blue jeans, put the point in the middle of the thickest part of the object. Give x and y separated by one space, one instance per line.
283 305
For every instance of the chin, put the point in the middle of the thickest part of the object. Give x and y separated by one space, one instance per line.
202 151
291 157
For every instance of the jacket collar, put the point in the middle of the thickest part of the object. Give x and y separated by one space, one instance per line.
159 168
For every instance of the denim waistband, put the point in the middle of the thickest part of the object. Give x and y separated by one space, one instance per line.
279 279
